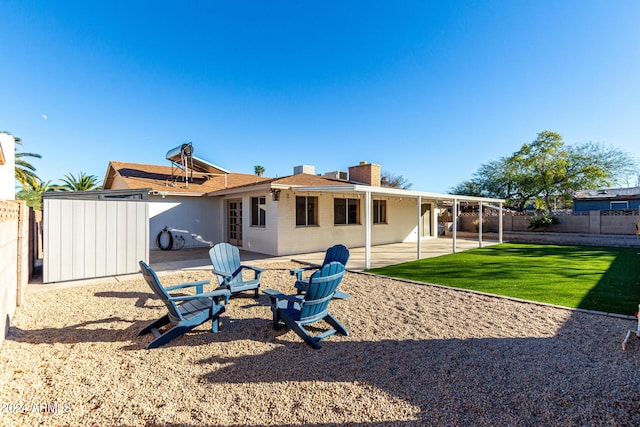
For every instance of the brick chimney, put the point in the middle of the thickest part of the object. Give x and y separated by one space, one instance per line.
365 173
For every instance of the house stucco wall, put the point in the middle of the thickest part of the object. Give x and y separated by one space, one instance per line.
194 218
401 224
7 169
118 184
255 238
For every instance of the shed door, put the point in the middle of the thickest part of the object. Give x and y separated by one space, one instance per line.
234 222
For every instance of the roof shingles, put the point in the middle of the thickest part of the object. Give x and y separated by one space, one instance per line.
160 178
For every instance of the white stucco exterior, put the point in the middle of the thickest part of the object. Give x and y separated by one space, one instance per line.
203 220
401 225
281 236
7 167
255 238
196 219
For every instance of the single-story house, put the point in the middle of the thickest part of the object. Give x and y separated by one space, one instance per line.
304 212
7 167
606 199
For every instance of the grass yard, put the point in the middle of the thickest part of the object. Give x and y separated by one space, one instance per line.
594 278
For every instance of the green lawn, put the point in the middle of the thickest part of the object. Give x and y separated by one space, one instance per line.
595 278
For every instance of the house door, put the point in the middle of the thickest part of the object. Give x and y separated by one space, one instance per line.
234 222
425 220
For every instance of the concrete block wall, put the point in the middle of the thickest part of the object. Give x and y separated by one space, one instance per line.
618 224
597 222
14 259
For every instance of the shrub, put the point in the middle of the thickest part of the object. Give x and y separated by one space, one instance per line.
542 221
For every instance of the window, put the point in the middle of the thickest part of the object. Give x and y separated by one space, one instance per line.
306 211
619 205
379 211
258 212
346 211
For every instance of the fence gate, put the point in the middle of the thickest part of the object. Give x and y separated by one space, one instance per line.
94 234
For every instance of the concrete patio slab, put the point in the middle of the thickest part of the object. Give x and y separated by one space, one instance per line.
166 262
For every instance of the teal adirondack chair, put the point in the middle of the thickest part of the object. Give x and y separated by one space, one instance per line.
226 266
299 310
185 312
338 253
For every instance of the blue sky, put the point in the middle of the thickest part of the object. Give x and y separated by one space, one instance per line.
427 89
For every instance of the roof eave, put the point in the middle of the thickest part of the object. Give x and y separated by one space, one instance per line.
397 192
176 193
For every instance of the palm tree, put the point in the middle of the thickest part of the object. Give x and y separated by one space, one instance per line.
84 182
259 170
25 171
33 195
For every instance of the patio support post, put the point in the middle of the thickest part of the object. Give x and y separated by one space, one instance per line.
480 224
418 227
500 224
367 230
434 219
455 224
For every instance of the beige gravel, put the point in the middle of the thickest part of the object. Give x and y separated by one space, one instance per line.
417 355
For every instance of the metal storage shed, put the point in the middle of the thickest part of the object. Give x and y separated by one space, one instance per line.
90 234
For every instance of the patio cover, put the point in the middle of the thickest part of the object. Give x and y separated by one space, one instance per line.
367 191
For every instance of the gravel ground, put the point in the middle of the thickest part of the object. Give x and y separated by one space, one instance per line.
417 355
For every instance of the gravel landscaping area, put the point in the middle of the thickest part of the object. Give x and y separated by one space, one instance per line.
417 355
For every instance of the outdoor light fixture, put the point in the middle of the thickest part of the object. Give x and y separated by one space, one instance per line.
275 195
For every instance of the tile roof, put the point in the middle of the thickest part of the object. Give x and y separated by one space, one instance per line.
160 178
302 180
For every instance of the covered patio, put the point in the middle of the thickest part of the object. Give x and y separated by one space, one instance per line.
434 201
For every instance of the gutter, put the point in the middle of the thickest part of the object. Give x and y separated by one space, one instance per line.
163 194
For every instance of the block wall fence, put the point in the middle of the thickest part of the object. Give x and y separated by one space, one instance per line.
592 222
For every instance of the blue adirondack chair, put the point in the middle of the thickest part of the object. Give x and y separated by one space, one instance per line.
299 310
185 312
226 266
338 253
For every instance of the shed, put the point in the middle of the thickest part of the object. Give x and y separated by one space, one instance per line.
90 234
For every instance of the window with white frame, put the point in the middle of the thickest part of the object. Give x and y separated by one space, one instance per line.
258 211
619 205
379 211
306 211
346 211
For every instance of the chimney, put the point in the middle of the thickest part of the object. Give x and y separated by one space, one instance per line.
311 170
365 173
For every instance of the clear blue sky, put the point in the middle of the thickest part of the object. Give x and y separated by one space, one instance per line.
429 90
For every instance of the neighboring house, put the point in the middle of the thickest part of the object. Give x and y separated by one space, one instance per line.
7 167
300 213
607 199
